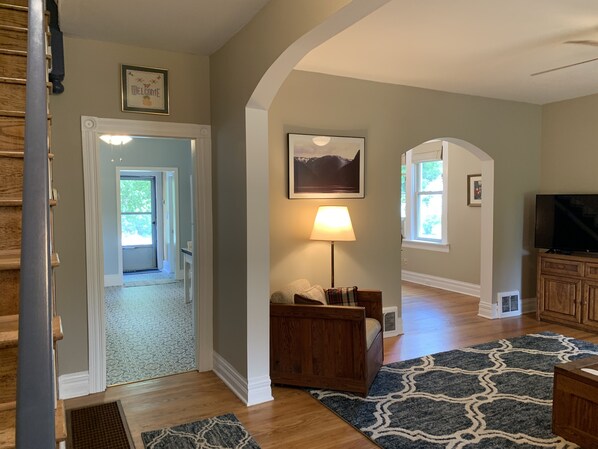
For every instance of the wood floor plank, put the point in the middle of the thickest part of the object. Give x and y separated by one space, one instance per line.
434 320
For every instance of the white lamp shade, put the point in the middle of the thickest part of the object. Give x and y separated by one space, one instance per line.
333 223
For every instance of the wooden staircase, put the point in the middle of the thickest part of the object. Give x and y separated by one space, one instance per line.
13 63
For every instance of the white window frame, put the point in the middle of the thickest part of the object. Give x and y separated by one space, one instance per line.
410 228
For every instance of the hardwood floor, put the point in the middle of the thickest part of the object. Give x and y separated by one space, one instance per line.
433 320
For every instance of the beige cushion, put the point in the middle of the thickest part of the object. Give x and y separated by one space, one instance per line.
286 295
315 293
372 329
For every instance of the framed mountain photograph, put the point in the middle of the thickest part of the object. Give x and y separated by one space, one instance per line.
326 166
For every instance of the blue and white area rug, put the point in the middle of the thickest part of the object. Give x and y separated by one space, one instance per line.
494 395
220 432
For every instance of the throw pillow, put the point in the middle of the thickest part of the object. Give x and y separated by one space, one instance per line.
300 299
313 295
286 294
342 296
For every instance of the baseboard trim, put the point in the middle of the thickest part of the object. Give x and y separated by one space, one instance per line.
438 282
73 385
256 391
260 390
529 305
489 311
113 280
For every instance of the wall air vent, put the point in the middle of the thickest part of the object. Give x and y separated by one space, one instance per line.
509 304
390 320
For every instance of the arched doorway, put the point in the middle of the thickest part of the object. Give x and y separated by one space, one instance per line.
486 308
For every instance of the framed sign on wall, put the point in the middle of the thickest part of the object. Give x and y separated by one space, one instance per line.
144 89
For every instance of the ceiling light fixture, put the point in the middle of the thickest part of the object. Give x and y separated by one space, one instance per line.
116 140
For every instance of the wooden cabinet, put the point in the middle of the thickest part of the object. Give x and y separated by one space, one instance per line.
568 290
575 402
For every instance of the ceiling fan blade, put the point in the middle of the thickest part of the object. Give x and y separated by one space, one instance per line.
583 42
564 67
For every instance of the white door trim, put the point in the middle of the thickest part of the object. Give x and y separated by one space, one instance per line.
201 154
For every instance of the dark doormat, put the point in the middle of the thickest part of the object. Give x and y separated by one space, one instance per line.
98 427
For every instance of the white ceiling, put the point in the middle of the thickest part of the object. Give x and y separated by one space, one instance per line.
188 26
479 47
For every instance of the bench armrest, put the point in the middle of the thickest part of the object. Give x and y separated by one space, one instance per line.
371 300
318 312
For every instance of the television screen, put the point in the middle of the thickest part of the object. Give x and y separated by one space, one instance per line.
567 222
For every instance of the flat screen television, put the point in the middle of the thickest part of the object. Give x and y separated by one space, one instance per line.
567 223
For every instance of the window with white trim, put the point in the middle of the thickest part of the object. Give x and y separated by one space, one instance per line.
423 195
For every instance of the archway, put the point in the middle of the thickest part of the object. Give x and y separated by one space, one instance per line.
486 308
258 247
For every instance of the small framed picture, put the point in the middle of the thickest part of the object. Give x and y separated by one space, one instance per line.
326 166
474 190
144 89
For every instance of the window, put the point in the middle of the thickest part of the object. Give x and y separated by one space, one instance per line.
423 196
136 208
428 194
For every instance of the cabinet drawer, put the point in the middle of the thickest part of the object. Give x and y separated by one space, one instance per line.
563 267
591 270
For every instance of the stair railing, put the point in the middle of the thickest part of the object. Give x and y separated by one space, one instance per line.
35 426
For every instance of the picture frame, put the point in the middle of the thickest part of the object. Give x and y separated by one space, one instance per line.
474 190
144 90
323 166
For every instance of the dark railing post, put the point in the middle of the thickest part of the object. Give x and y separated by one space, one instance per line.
35 376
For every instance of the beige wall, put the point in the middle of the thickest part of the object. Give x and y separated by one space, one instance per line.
569 146
235 71
462 262
92 87
394 119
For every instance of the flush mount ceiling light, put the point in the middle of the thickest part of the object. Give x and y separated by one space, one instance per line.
321 140
116 140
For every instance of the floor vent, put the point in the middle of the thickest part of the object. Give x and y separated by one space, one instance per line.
390 321
509 304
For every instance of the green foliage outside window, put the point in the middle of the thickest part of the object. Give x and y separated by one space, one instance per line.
136 211
135 195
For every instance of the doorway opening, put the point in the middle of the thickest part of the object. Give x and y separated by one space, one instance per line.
139 221
446 237
149 321
97 215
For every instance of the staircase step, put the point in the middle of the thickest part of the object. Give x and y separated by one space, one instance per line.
13 15
11 173
15 2
9 330
12 93
12 130
10 226
9 201
13 38
11 260
13 63
11 213
9 337
9 285
7 424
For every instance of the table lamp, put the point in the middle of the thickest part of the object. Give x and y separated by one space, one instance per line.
332 224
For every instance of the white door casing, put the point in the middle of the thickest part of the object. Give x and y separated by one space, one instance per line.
201 152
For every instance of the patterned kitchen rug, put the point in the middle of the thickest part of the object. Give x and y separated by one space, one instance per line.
493 395
220 432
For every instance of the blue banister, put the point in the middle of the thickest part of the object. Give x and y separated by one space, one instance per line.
35 426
